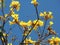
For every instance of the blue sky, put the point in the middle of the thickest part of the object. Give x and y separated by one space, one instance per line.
27 12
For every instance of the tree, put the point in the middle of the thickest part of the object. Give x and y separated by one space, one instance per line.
28 27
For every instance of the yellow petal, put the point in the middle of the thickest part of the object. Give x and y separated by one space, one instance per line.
50 13
29 23
23 23
41 23
12 22
44 13
51 23
41 14
33 1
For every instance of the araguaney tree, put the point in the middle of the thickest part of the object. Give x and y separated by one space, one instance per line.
27 27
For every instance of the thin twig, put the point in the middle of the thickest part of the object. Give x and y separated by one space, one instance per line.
2 5
37 12
43 28
45 37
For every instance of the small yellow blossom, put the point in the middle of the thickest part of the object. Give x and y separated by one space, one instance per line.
57 39
37 23
27 41
41 14
54 40
41 23
50 13
51 23
15 4
34 2
46 15
31 41
23 24
12 22
15 16
34 22
29 23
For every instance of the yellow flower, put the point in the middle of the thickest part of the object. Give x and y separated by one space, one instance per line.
31 41
50 13
34 22
51 23
23 24
15 16
57 39
15 4
12 22
41 23
51 41
27 41
37 23
29 23
54 40
41 14
46 15
34 2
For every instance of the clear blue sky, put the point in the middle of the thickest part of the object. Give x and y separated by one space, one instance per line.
27 12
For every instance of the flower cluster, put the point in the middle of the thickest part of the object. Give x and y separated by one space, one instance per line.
27 41
29 23
15 4
54 41
15 18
